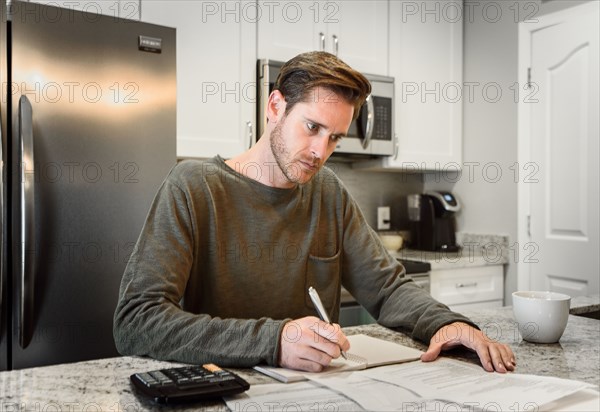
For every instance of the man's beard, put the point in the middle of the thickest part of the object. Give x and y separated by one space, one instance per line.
290 170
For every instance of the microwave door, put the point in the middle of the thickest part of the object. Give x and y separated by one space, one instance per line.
359 134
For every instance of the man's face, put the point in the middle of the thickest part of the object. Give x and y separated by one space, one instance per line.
303 140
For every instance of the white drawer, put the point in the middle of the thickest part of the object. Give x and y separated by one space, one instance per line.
476 305
468 285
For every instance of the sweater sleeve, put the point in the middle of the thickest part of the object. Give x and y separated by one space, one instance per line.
379 282
149 319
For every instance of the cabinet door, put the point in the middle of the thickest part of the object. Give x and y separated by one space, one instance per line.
216 66
426 60
354 30
428 71
360 29
288 28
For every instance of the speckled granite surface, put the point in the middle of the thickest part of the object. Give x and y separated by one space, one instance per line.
477 250
575 356
585 304
104 384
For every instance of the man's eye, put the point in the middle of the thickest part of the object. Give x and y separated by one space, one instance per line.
336 138
312 127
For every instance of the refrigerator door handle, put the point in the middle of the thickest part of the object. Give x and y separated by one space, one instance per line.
2 231
27 191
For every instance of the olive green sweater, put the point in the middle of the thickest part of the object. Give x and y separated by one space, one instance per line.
224 261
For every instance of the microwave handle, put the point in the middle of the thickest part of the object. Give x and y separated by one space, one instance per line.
370 122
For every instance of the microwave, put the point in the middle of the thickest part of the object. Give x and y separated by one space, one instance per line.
370 135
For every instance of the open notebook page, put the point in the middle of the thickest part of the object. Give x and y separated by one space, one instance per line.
365 352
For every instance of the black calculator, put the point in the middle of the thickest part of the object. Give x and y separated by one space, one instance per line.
188 384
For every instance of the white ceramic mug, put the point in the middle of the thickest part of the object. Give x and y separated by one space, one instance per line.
541 316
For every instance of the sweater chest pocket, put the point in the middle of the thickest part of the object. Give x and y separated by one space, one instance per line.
323 274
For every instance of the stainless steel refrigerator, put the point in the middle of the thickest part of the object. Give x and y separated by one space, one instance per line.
88 135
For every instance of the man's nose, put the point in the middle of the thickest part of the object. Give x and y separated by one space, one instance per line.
320 146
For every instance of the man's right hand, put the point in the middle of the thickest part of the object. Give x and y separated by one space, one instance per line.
310 344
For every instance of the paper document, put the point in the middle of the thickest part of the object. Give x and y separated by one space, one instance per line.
444 385
469 385
312 397
374 395
365 352
301 396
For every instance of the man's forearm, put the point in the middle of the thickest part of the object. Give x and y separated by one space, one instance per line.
168 333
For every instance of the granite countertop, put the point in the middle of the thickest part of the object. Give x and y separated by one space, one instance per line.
104 384
582 305
576 355
476 250
451 260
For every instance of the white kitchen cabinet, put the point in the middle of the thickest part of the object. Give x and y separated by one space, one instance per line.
469 287
216 73
127 9
354 30
426 62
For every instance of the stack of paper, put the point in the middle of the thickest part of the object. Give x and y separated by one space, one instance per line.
445 384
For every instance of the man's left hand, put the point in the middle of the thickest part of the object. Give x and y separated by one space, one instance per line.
493 355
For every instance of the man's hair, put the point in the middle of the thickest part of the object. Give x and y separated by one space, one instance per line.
302 74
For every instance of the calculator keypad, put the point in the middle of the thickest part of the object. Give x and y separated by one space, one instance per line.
188 383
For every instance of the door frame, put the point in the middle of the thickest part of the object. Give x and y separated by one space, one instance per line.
526 30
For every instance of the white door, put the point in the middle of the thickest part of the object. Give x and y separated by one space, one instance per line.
564 249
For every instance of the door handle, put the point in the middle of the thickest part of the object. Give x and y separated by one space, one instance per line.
3 270
322 36
27 231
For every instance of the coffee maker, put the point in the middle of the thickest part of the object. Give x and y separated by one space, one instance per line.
433 222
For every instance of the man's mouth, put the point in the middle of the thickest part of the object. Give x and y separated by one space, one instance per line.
309 165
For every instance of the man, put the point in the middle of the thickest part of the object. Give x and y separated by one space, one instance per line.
221 269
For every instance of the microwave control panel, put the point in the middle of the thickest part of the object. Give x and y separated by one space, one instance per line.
383 118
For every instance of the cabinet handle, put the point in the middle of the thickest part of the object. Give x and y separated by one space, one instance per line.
322 35
466 285
396 146
250 134
336 44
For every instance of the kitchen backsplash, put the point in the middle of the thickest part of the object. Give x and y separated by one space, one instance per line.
373 189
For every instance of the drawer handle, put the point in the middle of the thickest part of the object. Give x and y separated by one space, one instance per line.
466 285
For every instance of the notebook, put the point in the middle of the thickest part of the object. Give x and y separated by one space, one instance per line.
365 352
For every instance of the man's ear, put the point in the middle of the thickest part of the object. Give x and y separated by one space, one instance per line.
275 106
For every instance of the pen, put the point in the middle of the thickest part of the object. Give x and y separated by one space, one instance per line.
316 300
